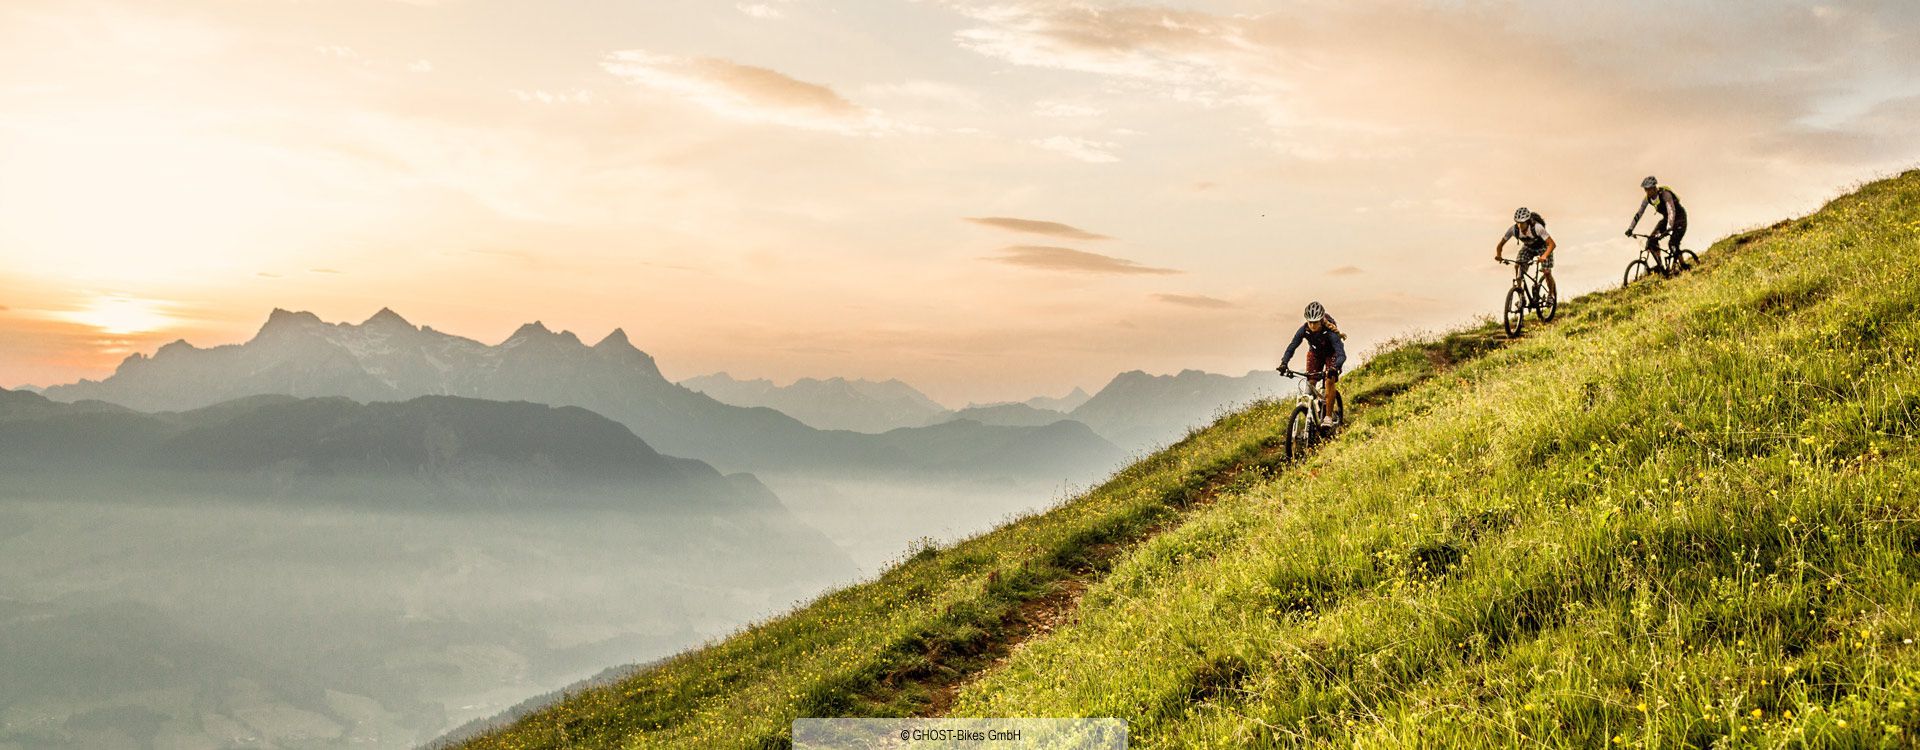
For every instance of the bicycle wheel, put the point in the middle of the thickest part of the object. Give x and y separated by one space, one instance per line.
1339 411
1687 260
1636 271
1514 317
1299 433
1547 300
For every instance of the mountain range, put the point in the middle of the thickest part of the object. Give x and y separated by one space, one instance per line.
386 358
433 447
829 404
1135 411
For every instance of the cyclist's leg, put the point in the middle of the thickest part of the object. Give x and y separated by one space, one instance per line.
1673 240
1333 393
1317 363
1653 246
1530 256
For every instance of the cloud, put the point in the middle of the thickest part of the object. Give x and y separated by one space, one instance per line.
321 270
1035 226
420 66
1091 152
745 92
1199 301
760 10
1144 43
1346 271
1066 259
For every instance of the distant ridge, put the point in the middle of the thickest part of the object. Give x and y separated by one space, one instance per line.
828 404
388 358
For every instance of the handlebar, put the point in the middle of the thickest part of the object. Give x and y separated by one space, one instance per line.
1284 372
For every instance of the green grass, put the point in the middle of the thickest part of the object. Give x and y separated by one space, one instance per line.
1681 515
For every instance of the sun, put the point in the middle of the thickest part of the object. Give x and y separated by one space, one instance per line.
121 314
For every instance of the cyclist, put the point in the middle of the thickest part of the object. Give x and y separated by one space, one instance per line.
1325 353
1673 219
1530 230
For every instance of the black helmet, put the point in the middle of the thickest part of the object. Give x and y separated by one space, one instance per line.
1315 312
1521 214
1649 183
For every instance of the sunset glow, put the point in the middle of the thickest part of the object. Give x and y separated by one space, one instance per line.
117 314
988 200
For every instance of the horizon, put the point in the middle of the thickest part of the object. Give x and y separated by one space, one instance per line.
989 201
591 341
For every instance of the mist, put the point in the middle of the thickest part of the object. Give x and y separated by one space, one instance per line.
223 621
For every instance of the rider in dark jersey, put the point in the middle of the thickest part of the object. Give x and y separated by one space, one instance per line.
1325 353
1673 219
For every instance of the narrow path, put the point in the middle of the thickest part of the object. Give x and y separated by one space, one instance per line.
942 673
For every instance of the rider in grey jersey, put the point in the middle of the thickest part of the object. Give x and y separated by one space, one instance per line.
1530 230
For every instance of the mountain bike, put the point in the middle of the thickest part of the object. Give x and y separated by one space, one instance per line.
1304 428
1530 292
1650 261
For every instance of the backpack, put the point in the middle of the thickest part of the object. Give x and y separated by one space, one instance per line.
1536 224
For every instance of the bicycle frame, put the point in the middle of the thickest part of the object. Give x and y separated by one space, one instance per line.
1651 252
1526 278
1313 392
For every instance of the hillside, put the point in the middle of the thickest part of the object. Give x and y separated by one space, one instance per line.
460 450
1682 514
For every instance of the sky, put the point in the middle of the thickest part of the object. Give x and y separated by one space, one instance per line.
989 200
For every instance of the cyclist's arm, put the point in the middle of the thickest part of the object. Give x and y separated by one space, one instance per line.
1551 244
1298 336
1637 215
1339 354
1672 203
1500 250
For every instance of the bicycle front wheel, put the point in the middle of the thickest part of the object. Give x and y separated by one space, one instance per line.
1636 271
1546 300
1299 433
1514 317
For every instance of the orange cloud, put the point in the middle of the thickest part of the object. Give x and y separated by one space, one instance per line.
1199 301
743 92
1034 226
1067 259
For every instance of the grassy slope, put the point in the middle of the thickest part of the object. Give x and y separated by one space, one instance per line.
1679 514
1684 514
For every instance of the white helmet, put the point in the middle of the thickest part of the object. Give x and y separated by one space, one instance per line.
1649 183
1521 214
1315 312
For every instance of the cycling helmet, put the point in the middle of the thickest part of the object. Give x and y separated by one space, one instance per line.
1649 183
1521 214
1315 312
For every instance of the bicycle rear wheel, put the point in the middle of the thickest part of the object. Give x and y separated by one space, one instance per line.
1687 260
1636 271
1514 317
1299 433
